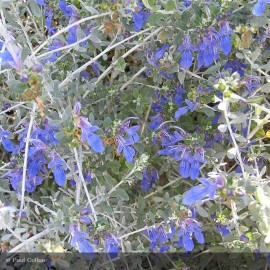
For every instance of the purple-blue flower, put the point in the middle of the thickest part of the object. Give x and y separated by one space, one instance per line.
85 220
124 146
139 19
199 192
156 121
111 245
259 7
148 180
236 66
5 141
225 38
189 228
190 107
126 137
78 239
48 22
223 230
56 45
12 58
187 48
89 136
57 165
68 10
41 2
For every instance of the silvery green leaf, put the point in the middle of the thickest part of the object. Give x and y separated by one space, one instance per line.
231 153
239 138
222 128
201 211
37 210
222 106
35 8
181 76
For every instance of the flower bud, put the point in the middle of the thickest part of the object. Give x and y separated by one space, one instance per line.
85 211
85 220
77 108
230 192
24 78
239 192
37 68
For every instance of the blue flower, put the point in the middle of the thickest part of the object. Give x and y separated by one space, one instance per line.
139 19
188 228
167 75
111 245
88 177
50 131
148 181
160 52
199 192
89 136
236 66
155 121
31 183
6 142
124 146
15 177
178 99
68 10
40 2
126 137
223 230
57 165
225 39
85 211
72 32
78 240
85 220
35 164
186 47
77 108
168 138
259 8
190 107
208 54
56 45
48 23
131 131
184 166
12 58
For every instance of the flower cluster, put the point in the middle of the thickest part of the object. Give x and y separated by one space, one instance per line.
126 137
190 163
87 130
199 192
40 158
182 230
149 179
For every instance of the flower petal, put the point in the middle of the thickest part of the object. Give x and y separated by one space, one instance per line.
95 142
59 176
195 194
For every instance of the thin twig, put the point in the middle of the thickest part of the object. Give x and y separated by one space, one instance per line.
133 78
107 71
26 159
13 107
84 184
64 47
28 241
66 29
233 139
122 181
146 118
84 66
